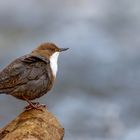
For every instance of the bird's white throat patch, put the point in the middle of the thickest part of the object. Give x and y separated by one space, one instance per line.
53 63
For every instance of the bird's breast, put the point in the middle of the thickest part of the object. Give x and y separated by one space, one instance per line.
53 63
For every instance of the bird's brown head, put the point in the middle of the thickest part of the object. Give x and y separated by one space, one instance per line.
48 49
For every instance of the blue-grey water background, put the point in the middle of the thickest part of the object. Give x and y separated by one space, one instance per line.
97 92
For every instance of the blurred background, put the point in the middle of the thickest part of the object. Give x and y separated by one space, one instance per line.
97 92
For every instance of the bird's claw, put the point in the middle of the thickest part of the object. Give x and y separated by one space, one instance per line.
35 105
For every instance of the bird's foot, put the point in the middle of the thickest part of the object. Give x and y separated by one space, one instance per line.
35 105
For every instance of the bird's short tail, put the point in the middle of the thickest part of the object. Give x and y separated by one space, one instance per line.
2 91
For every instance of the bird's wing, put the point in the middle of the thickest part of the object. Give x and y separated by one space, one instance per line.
34 58
21 70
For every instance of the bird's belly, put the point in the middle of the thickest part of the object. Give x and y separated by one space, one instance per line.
29 95
32 90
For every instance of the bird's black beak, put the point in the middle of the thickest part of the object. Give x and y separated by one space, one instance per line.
63 49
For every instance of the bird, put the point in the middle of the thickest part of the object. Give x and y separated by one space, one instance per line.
31 75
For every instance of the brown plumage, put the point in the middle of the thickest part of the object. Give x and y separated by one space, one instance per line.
30 76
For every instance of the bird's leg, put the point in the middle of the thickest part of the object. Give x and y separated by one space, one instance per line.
33 105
